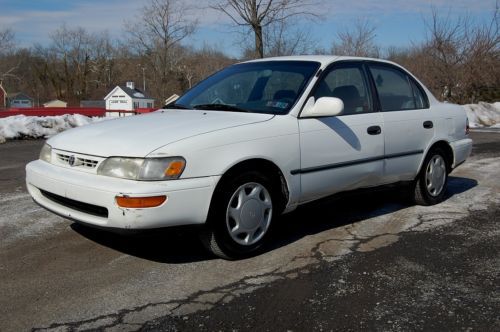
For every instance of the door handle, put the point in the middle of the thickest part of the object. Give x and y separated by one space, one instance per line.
428 124
374 130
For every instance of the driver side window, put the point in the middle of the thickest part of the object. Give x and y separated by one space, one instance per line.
349 85
283 86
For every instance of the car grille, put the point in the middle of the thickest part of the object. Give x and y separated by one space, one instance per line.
79 161
94 210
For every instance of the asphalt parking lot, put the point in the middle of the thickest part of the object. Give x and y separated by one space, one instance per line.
368 261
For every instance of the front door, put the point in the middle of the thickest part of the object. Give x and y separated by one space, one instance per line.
345 151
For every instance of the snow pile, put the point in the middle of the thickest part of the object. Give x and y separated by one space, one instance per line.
483 115
21 126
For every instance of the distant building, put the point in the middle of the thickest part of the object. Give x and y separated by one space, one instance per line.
19 100
3 97
127 98
93 103
56 103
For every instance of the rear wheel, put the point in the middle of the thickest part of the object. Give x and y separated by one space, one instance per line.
430 184
240 216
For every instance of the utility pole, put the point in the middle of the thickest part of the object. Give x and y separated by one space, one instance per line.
108 69
144 79
143 76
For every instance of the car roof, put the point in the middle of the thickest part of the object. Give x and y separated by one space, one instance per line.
323 59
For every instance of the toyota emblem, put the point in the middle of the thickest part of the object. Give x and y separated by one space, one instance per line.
71 161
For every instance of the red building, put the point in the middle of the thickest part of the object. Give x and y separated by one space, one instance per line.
3 97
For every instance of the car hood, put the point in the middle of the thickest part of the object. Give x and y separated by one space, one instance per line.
137 136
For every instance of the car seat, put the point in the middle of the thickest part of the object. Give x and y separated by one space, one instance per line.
349 94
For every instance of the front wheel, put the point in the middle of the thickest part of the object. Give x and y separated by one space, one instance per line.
430 184
240 216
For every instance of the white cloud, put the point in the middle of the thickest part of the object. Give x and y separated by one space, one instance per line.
372 7
35 26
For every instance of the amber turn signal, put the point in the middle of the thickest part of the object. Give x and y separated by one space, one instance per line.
175 168
140 202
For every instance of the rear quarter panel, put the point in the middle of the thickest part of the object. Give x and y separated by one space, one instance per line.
450 121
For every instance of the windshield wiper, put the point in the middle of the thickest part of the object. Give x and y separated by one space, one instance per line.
176 106
219 107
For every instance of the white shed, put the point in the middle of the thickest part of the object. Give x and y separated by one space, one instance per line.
127 98
56 103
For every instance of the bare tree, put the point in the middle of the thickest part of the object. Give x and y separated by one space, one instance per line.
74 63
357 41
8 65
481 69
259 14
197 65
459 59
463 56
6 40
288 38
161 27
8 69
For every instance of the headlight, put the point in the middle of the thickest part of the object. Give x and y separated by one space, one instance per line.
46 153
147 169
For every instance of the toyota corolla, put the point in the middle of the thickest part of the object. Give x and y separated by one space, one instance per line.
251 142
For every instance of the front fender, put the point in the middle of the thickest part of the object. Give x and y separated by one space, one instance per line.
213 154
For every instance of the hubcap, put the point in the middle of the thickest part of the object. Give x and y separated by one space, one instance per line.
435 175
249 213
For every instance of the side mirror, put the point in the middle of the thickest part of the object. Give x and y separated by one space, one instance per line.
324 106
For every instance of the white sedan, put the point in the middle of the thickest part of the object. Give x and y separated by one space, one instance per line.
253 141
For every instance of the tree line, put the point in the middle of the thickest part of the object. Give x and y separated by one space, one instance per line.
458 59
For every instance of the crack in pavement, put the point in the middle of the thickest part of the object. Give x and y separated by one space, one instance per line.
371 233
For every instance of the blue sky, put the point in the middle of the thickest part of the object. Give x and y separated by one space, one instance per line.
398 22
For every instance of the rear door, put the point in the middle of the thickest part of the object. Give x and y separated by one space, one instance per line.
345 151
408 121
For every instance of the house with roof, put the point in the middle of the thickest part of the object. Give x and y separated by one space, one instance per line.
19 100
127 98
14 100
56 103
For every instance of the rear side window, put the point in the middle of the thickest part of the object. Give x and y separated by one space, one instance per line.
420 99
396 90
347 83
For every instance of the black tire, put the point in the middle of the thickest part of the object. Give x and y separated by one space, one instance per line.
422 195
216 236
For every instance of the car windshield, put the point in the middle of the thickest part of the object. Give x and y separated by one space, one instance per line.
258 87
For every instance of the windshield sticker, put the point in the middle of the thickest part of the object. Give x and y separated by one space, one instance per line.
277 104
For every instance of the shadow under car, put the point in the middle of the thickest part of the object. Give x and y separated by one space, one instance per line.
181 244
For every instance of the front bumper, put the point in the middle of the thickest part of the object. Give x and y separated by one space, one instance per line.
52 187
